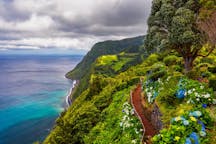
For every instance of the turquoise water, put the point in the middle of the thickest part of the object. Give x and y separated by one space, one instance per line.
32 94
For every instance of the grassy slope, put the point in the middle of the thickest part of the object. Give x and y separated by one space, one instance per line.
85 68
89 112
96 117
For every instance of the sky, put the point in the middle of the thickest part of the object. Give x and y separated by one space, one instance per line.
68 26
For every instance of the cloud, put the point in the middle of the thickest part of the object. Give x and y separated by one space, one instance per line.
69 24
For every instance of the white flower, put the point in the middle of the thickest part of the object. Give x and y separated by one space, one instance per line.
198 99
149 94
127 112
201 87
125 118
121 124
193 89
214 101
190 92
133 141
136 131
127 124
132 111
202 133
196 94
207 95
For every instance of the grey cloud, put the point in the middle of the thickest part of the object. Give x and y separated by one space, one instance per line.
82 25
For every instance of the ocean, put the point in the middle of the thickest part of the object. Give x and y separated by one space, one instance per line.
32 94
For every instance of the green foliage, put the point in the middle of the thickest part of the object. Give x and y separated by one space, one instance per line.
73 125
181 127
110 129
97 83
212 83
170 60
106 59
193 74
153 58
86 67
212 69
208 8
96 117
103 48
196 93
168 91
173 25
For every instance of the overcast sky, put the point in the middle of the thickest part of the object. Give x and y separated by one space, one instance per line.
68 25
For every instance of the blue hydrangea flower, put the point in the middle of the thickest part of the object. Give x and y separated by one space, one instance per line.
180 93
188 141
186 122
204 105
195 137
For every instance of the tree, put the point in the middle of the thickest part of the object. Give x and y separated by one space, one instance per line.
184 37
173 24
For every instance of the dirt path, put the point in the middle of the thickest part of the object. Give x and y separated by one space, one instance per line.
149 130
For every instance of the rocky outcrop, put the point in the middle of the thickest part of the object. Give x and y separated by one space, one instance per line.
156 118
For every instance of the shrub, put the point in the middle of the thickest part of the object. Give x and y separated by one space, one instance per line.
167 94
154 76
193 74
153 58
212 69
170 60
212 83
178 68
207 60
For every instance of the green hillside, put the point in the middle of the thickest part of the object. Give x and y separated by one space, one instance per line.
176 68
130 45
83 71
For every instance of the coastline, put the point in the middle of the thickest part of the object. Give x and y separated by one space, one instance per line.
68 99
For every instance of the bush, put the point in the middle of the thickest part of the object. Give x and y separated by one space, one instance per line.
193 74
170 60
167 94
207 60
212 83
212 69
153 58
154 76
178 68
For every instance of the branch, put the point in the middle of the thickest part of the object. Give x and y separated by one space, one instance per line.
211 50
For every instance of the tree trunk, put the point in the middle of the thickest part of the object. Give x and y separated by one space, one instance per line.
188 63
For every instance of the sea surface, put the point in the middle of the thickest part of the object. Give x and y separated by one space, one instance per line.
32 95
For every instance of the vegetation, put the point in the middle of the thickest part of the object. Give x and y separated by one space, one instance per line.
86 67
173 25
101 112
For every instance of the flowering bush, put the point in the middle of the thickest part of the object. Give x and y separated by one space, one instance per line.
184 129
196 92
152 89
130 123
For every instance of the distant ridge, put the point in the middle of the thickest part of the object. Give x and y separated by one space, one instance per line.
104 48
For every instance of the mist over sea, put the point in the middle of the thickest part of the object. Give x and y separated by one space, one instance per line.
32 94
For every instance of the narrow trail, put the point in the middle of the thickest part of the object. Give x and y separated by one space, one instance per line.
148 128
